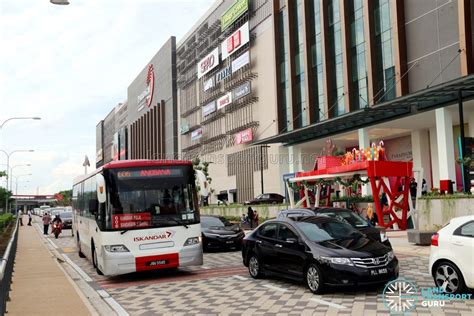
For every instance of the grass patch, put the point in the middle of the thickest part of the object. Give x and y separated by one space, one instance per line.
7 225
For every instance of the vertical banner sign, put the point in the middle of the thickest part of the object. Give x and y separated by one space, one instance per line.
122 144
208 63
237 40
99 141
233 13
115 147
244 136
146 97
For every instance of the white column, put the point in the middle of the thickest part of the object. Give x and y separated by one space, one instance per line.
434 157
470 122
364 142
294 155
420 143
444 133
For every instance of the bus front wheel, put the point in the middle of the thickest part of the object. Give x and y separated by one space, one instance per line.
95 261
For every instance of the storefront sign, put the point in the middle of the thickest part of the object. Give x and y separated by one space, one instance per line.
224 73
224 101
241 61
209 83
195 135
233 13
244 136
147 94
208 63
184 128
241 91
238 39
209 108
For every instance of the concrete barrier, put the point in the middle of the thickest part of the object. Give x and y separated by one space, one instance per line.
264 211
434 213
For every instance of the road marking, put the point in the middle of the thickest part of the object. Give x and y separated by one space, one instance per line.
317 300
103 293
81 272
116 306
239 277
274 287
52 243
69 249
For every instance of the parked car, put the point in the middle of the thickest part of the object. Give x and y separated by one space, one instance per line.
267 198
347 216
451 257
320 250
66 217
217 232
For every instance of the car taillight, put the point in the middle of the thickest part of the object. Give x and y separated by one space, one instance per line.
434 239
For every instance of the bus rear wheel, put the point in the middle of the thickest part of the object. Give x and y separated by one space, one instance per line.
79 250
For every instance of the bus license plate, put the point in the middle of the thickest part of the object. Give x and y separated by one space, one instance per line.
156 263
378 271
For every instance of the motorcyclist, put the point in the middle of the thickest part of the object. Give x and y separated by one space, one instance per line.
57 219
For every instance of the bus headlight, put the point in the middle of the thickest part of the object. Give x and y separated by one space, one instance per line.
116 248
192 241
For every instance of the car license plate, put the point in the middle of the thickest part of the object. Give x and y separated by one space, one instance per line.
378 271
229 242
156 263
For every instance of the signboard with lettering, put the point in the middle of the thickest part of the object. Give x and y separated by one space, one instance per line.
209 83
244 136
120 221
241 61
195 135
224 73
233 13
149 173
146 97
241 91
237 40
224 101
208 63
209 108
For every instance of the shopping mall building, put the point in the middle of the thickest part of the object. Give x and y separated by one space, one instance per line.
261 85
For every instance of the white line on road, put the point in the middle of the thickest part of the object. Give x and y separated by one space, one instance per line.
241 278
116 306
81 272
103 293
317 300
52 243
274 287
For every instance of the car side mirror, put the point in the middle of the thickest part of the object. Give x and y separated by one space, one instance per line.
292 240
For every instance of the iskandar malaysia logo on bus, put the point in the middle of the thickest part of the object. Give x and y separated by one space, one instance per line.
164 235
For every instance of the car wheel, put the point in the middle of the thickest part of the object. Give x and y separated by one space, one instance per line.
95 262
254 267
314 279
447 276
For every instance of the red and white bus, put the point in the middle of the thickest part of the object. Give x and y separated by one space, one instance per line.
138 215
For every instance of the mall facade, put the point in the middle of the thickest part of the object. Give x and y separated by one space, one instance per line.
261 85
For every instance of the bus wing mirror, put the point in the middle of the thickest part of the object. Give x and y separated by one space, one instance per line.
101 196
202 183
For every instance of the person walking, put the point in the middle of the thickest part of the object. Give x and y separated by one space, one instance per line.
20 217
29 218
46 220
250 215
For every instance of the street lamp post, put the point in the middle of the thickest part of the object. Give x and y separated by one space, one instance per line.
19 118
8 168
11 172
16 181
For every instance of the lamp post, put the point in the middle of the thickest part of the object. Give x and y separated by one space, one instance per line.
11 172
8 168
59 2
19 118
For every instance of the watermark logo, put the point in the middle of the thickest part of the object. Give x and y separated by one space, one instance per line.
400 296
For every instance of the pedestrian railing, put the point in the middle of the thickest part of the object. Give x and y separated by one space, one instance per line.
6 269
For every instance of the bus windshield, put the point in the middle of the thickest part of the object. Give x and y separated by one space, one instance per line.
151 197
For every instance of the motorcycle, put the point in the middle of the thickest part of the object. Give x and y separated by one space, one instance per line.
56 229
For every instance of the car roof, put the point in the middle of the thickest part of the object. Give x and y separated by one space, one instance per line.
309 219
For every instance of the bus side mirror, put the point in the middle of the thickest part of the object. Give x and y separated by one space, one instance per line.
101 196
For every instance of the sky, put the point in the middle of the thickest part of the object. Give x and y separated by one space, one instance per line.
70 65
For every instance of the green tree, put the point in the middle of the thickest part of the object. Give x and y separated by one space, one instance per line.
3 194
64 197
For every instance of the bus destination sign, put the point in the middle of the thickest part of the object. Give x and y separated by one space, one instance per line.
149 173
131 220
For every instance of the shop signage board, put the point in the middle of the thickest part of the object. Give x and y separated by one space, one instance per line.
241 91
224 73
208 63
209 108
244 136
233 13
224 101
237 40
195 135
241 61
146 97
209 83
184 128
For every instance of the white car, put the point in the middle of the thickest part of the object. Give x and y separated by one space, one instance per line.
452 255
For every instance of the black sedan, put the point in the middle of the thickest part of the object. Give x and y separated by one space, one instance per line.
345 215
267 198
217 232
320 250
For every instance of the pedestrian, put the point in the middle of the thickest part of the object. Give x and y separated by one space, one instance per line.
413 186
46 220
256 218
250 215
29 218
371 216
424 187
20 217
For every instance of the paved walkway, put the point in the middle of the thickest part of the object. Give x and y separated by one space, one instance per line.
40 286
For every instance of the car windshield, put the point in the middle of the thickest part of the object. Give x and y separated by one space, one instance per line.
66 215
348 217
207 222
324 230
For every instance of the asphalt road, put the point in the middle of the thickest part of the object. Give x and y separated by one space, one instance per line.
222 286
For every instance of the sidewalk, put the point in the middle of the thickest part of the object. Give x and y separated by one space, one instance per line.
400 245
40 286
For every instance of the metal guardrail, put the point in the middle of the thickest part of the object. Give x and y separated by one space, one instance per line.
6 269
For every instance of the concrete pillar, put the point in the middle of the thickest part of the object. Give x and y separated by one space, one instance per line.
364 142
434 158
294 155
469 118
420 143
444 133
